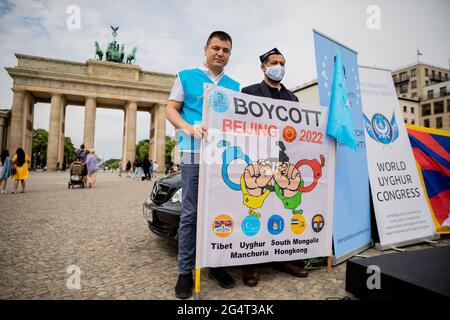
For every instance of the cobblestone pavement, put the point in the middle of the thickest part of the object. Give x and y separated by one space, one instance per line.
103 233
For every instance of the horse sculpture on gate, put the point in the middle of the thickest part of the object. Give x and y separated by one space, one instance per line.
132 56
115 52
98 51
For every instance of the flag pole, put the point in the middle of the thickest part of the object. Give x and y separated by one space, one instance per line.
418 54
197 284
330 257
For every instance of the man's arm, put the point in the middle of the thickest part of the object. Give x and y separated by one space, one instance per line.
173 115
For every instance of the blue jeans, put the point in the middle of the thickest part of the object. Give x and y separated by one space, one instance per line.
137 173
188 218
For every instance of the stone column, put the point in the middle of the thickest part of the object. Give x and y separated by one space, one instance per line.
151 141
54 131
89 122
62 130
26 108
124 139
3 126
29 126
158 136
130 131
27 123
16 124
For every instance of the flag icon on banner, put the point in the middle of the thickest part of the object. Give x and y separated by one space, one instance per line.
340 118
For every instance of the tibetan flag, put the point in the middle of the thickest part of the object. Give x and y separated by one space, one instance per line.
340 118
431 149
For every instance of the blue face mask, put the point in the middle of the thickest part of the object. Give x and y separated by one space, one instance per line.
275 73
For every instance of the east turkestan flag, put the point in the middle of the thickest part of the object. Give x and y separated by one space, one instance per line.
340 118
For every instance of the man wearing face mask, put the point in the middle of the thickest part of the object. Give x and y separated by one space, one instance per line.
272 65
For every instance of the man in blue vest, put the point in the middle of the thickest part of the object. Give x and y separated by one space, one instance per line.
272 65
184 111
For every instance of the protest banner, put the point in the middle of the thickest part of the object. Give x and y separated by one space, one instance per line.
266 181
352 229
400 204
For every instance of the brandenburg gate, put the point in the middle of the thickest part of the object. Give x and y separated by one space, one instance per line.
94 84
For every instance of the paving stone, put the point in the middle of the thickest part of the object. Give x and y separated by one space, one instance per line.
102 231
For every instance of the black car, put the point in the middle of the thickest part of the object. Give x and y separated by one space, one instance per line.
162 208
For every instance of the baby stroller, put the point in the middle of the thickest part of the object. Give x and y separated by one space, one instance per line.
76 174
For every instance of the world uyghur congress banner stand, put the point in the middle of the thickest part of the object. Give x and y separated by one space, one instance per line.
266 181
352 231
401 209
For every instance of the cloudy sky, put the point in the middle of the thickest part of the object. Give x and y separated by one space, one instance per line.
170 35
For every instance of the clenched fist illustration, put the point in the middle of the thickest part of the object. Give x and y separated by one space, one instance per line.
257 175
287 177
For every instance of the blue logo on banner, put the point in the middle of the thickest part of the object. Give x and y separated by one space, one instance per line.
275 225
218 101
380 129
250 225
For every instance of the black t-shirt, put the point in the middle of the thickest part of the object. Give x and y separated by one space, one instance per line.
281 94
262 89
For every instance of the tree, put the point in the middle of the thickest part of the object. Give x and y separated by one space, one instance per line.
142 148
170 144
111 164
69 151
39 147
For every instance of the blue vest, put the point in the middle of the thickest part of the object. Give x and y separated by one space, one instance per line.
192 81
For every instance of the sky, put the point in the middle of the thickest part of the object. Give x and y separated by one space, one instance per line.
170 36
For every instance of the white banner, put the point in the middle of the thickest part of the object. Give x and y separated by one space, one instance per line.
266 181
401 208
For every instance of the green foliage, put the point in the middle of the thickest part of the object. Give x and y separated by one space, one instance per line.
111 163
142 149
39 148
170 144
69 150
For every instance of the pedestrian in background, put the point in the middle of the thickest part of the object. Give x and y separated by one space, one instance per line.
138 169
80 155
91 163
20 163
155 168
5 169
146 168
128 168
